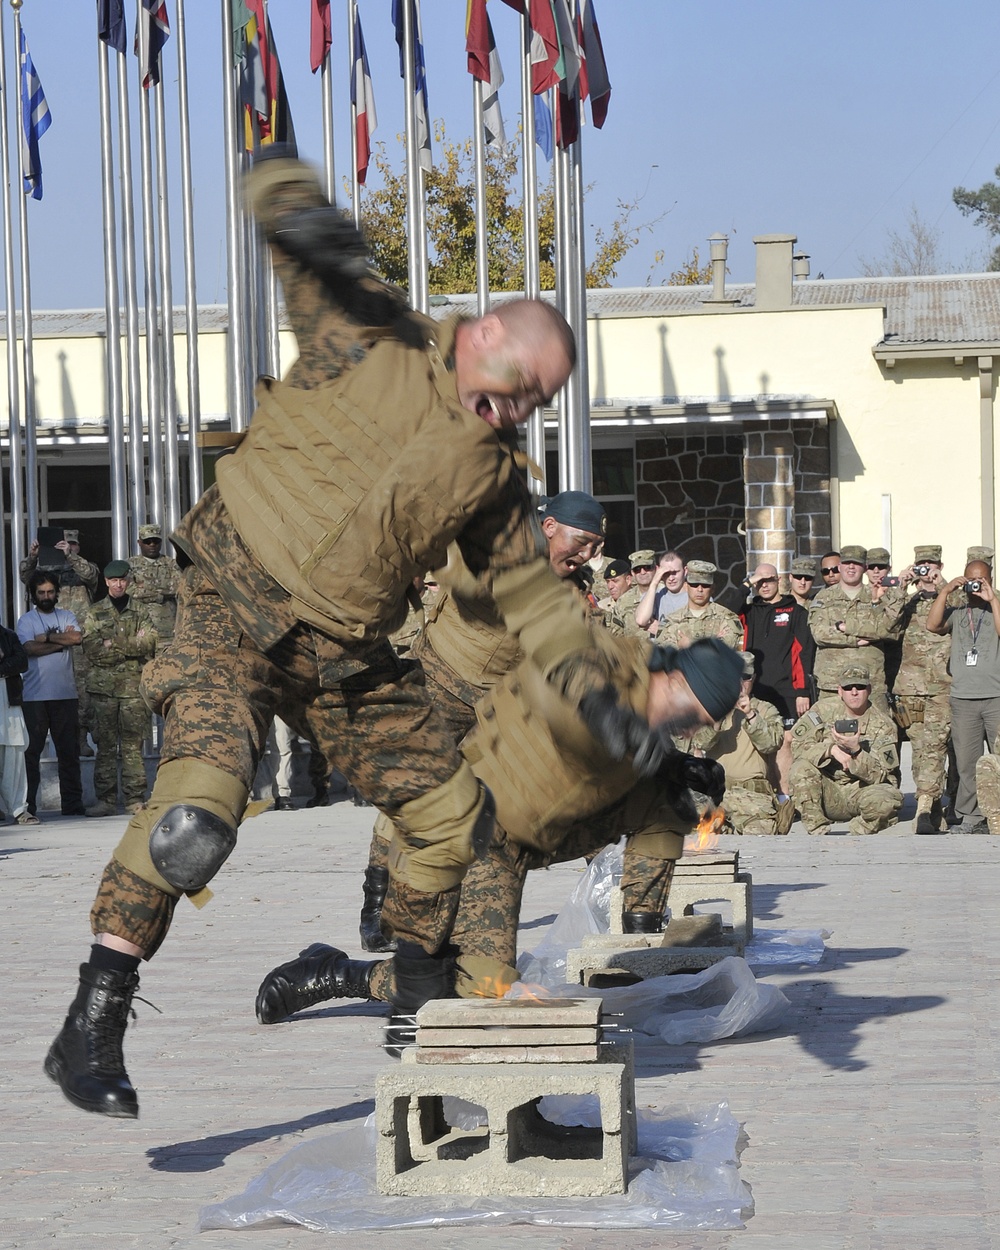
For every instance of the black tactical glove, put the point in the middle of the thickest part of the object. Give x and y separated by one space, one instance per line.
326 241
622 733
692 784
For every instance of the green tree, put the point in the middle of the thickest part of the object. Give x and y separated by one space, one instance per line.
451 224
984 206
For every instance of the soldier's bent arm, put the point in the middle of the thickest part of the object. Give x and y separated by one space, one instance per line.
876 760
810 741
764 727
823 621
84 569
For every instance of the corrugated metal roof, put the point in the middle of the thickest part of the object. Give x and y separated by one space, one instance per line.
943 309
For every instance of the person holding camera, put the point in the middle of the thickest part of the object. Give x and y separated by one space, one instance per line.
843 756
974 627
920 691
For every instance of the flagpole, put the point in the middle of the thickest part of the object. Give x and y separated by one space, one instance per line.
170 454
13 388
414 187
195 477
154 389
137 473
479 154
326 88
27 337
352 10
235 256
112 320
535 431
583 453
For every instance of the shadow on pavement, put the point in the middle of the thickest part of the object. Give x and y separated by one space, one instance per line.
204 1154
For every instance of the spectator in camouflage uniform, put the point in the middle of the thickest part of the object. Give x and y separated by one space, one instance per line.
920 692
155 582
844 618
801 580
118 637
839 775
77 581
617 579
702 618
742 743
622 622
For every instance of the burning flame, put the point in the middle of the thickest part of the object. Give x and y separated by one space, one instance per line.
705 835
498 987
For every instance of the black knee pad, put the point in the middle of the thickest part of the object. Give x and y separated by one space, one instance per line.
188 845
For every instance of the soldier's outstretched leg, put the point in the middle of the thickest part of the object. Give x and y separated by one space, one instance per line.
320 973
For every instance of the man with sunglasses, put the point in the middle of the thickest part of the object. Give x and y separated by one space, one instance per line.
623 619
844 754
665 593
829 568
802 580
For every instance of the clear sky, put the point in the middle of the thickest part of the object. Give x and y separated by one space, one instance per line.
827 121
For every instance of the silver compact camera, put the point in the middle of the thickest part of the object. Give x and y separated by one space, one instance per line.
973 588
922 570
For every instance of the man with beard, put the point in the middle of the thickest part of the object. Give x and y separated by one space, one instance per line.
48 634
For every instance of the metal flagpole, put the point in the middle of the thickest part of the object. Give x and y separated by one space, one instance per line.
13 388
479 154
326 88
566 395
27 339
154 388
235 255
112 320
195 478
172 490
535 432
137 473
352 8
414 183
580 417
423 303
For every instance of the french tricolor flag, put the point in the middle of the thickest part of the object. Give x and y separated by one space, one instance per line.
363 100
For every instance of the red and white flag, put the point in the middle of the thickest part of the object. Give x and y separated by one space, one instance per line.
363 99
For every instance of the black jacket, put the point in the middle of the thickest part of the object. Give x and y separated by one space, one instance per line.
778 635
13 662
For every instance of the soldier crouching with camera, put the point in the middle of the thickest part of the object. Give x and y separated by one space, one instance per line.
843 755
974 624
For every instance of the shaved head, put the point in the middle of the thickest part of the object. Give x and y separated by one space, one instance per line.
531 319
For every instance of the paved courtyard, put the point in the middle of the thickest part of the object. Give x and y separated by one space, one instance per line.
872 1118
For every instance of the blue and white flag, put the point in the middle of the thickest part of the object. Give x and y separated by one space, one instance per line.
423 135
35 120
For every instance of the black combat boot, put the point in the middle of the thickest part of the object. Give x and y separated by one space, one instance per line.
86 1058
374 889
417 979
642 922
320 973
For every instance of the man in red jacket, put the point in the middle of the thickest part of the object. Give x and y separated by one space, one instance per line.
777 632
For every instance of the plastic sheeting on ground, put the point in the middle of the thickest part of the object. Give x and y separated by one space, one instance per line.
685 1177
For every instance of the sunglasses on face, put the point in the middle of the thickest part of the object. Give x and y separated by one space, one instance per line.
642 568
830 570
854 687
805 577
762 580
878 566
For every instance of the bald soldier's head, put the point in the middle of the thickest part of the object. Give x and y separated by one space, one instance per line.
512 360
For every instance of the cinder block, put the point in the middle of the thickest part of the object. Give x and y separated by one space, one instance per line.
593 967
686 892
517 1151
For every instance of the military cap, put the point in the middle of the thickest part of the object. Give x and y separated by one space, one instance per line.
150 531
853 555
985 554
748 664
929 554
701 573
646 556
876 555
855 672
71 536
617 568
579 510
117 568
803 567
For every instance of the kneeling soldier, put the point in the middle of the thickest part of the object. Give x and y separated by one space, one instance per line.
843 754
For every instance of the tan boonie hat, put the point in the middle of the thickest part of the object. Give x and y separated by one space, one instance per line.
748 664
803 567
700 573
71 536
646 556
876 555
855 672
150 531
980 553
853 555
923 555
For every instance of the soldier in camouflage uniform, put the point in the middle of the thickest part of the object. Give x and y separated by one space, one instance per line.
155 582
617 581
558 797
621 617
118 637
845 776
848 618
701 618
920 692
390 438
77 586
741 743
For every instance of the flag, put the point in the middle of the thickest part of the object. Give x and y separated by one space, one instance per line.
598 81
543 127
477 39
320 37
573 84
492 117
241 19
111 24
151 32
423 135
363 99
266 113
546 56
35 120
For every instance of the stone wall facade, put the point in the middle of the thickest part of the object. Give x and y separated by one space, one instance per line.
760 491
